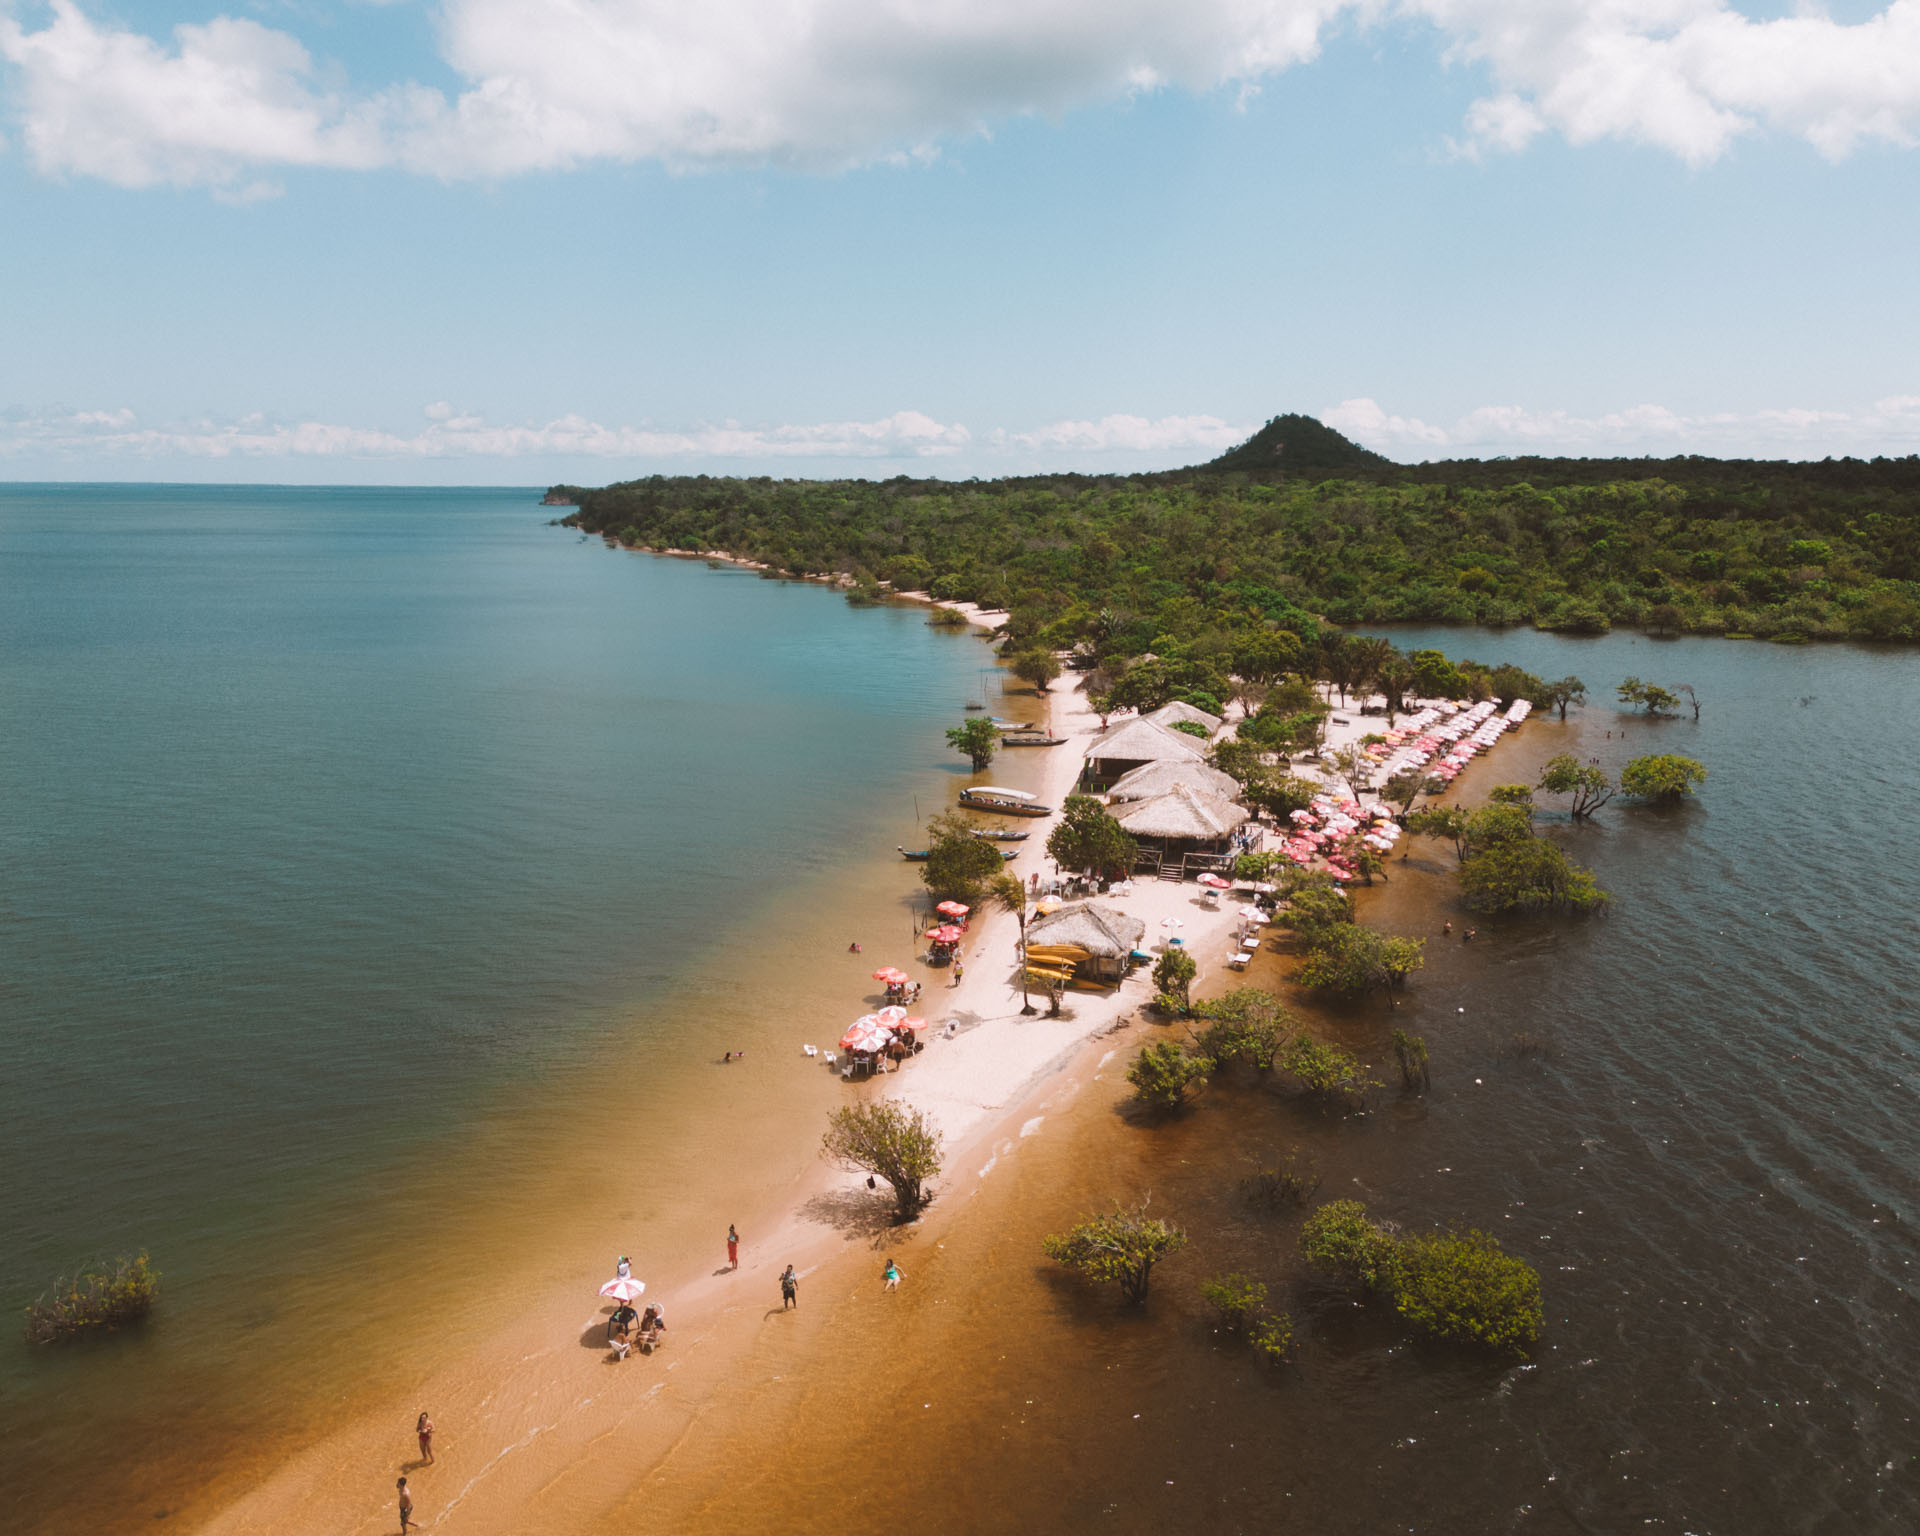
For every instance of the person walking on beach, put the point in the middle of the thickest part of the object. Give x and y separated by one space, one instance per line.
959 971
733 1247
424 1429
789 1289
406 1507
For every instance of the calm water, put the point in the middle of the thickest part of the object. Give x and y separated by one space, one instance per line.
338 825
342 829
1713 1168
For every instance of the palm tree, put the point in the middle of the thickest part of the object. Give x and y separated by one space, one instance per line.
1010 895
1371 656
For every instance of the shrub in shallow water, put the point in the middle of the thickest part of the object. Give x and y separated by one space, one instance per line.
1341 1240
1239 1299
1457 1286
1162 1073
1464 1287
96 1301
1272 1336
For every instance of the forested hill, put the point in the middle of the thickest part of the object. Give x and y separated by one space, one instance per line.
1298 522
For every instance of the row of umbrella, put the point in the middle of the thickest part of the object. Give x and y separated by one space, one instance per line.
877 1030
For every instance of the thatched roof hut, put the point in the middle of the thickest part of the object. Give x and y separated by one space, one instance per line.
1106 933
1122 748
1178 713
1153 779
1182 814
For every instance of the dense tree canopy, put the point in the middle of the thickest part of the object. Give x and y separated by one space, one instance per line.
1201 567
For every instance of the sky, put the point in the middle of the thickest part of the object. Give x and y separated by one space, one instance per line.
529 241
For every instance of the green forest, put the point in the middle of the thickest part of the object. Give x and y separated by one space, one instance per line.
1299 525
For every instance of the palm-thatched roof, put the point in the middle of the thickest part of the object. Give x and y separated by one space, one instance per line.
1182 812
1178 713
1100 930
1151 779
1141 741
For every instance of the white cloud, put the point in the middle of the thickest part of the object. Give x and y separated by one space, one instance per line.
105 436
1128 434
826 83
1888 426
96 442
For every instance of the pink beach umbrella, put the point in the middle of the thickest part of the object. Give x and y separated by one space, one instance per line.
911 1026
953 909
865 1033
890 1015
1215 881
892 975
946 933
623 1289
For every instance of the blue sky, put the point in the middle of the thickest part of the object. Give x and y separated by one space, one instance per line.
517 241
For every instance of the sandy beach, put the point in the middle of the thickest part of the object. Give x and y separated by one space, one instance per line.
539 1430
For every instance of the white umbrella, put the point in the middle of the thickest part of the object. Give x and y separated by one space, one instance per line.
623 1289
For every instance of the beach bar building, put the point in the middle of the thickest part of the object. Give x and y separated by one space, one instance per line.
1092 939
1133 744
1184 832
1178 713
1151 780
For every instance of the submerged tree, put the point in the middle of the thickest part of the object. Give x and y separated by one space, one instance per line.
1448 821
1651 697
1527 874
977 739
1558 695
1161 1074
1662 776
1354 960
886 1138
1586 784
1411 1052
1122 1247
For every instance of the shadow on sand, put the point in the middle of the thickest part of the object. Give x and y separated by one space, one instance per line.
866 1213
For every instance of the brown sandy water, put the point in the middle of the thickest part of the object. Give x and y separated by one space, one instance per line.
1722 1267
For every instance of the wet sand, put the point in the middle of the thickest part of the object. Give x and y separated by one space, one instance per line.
537 1429
540 1429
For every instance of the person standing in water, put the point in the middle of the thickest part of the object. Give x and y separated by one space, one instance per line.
733 1247
406 1507
789 1289
423 1427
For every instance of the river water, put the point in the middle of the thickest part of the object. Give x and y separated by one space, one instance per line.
1711 1163
354 839
368 857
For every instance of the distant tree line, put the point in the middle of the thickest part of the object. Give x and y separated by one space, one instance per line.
1211 557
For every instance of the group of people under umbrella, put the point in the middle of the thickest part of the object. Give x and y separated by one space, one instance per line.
874 1039
626 1327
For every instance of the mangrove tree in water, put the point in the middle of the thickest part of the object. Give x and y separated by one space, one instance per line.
1121 1247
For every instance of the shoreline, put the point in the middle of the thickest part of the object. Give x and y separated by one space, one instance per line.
536 1429
542 1436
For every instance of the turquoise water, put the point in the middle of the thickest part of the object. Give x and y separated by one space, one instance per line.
337 821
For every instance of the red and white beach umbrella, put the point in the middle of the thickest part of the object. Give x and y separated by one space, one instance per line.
892 975
946 933
623 1289
865 1033
890 1015
913 1026
1215 881
954 909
